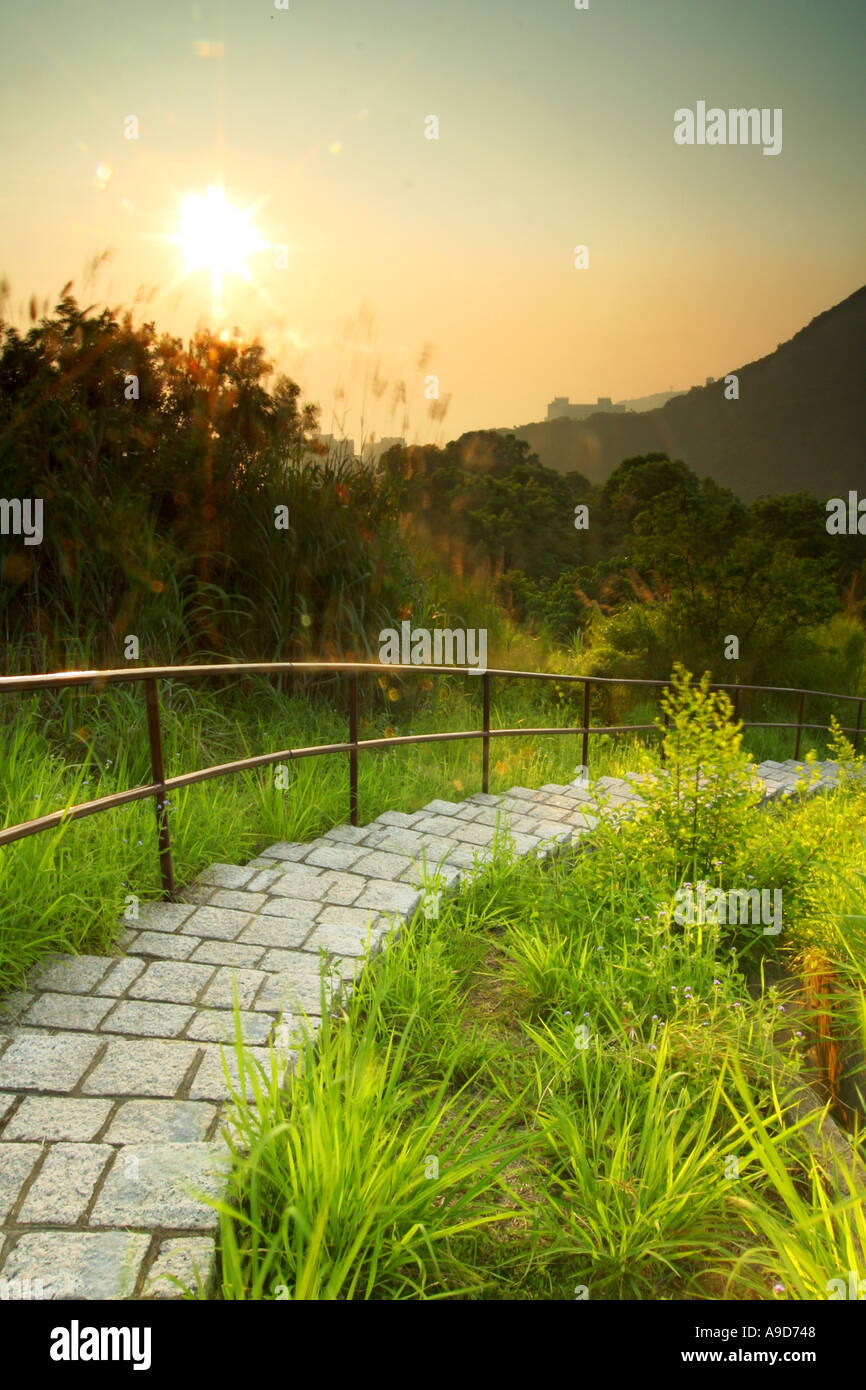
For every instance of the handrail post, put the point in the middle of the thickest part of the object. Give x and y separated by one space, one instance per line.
667 725
353 751
154 734
859 720
800 724
587 692
485 742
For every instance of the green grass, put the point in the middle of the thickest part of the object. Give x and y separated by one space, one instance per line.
67 889
657 1155
538 1094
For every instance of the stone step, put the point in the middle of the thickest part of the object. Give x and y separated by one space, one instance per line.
113 1084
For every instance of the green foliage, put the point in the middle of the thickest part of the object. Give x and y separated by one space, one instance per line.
559 606
64 890
670 566
696 807
615 1109
361 1179
160 511
485 500
841 749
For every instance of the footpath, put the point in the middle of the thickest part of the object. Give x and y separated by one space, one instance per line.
113 1087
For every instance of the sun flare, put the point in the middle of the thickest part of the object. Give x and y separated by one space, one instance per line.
217 237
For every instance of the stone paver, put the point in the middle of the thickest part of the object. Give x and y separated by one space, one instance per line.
36 1061
227 953
226 875
163 916
345 887
7 1100
65 1184
165 947
210 1081
188 1260
12 1006
346 834
414 845
335 856
222 923
468 856
80 1011
295 988
444 876
385 895
298 908
359 918
341 940
303 880
144 1067
234 897
218 1025
442 826
285 851
113 1078
173 981
380 864
121 976
146 1020
263 880
72 974
161 1121
289 933
17 1162
154 1185
58 1117
230 983
73 1264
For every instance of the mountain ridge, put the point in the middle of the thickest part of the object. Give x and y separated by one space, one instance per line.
799 423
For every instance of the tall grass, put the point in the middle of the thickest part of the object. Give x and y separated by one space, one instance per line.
66 889
647 1092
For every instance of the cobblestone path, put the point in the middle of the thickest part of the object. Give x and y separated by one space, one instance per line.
112 1089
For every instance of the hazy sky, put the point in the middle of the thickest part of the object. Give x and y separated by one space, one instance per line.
555 129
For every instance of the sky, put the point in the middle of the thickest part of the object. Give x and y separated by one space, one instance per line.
410 258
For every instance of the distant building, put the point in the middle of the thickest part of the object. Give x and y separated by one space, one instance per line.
561 406
337 448
381 446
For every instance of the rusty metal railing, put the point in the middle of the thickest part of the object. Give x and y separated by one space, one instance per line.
161 786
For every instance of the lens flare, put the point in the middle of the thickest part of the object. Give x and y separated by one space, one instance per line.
217 237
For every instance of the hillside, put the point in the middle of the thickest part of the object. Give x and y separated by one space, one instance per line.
799 423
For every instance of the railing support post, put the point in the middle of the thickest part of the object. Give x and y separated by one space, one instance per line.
485 724
859 721
155 735
662 754
353 751
584 757
800 724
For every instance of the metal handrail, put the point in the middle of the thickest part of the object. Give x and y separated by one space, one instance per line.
161 785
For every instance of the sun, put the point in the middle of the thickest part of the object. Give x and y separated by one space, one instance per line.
217 237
